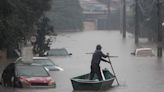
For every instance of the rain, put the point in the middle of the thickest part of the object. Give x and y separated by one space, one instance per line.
131 31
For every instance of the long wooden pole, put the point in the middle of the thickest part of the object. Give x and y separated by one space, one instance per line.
113 71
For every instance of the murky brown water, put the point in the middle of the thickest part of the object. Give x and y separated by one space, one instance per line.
135 74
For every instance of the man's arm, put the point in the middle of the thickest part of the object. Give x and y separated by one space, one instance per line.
106 60
103 60
103 55
107 55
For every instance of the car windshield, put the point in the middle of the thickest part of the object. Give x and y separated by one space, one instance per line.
45 62
58 52
31 71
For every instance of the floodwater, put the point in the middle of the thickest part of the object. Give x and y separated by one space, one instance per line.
135 74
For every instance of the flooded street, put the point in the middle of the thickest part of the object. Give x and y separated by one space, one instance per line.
135 74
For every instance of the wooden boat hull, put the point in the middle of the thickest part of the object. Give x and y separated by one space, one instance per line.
83 83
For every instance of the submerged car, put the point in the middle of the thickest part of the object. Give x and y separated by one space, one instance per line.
28 75
57 52
44 61
143 52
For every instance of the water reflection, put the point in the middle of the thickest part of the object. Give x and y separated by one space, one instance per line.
135 74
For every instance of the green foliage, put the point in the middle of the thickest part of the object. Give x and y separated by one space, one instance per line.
44 27
17 19
68 15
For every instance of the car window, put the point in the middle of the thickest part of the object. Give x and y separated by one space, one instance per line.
43 62
31 71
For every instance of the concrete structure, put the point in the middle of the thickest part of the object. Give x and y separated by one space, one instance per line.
99 15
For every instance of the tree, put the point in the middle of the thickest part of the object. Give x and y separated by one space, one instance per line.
43 28
5 11
147 18
17 20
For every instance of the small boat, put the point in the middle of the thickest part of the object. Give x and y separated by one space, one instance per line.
83 83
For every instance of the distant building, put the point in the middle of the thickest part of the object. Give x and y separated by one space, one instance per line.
102 16
92 6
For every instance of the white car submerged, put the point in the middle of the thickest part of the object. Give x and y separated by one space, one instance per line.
143 52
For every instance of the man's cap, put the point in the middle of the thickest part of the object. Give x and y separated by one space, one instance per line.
98 47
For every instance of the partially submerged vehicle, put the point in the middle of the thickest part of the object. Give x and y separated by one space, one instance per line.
83 83
143 52
26 76
57 52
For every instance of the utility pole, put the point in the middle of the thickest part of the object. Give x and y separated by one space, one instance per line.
159 31
136 22
124 18
108 13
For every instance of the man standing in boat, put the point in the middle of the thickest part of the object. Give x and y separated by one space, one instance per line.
98 56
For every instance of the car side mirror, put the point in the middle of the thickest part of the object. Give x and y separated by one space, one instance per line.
70 54
46 54
47 69
132 53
